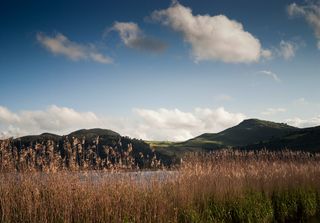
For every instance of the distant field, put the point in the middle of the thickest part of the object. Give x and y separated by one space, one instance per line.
161 143
224 186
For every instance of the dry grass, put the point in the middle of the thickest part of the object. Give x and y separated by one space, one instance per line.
225 186
72 155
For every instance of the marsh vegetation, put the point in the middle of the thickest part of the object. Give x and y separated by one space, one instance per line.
221 186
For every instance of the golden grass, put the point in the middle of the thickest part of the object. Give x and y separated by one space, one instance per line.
205 188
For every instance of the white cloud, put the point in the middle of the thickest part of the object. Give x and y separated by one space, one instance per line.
294 9
53 119
218 119
273 111
212 37
311 12
61 45
268 73
133 37
7 116
161 124
100 58
178 125
164 118
287 49
266 54
302 123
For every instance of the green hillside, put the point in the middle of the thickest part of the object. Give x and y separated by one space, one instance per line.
248 132
307 139
93 133
32 139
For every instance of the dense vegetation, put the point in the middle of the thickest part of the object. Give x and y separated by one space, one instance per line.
223 186
92 176
94 149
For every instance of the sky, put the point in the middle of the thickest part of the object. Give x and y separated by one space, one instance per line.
157 70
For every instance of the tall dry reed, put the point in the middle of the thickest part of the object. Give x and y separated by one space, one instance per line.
224 186
73 155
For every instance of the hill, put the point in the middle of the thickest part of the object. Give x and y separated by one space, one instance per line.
88 134
97 140
307 139
248 132
93 133
32 139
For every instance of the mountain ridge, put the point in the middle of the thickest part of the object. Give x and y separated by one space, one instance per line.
253 130
248 134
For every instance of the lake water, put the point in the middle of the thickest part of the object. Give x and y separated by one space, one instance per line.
103 177
138 176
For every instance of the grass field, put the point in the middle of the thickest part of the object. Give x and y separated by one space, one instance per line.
224 186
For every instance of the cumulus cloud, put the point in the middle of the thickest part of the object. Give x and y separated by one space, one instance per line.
302 123
160 124
61 45
311 12
270 74
53 119
133 37
212 37
179 125
6 116
273 111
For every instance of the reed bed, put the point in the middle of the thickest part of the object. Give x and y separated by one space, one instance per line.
222 186
75 155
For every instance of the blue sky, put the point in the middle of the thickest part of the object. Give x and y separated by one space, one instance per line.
157 69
